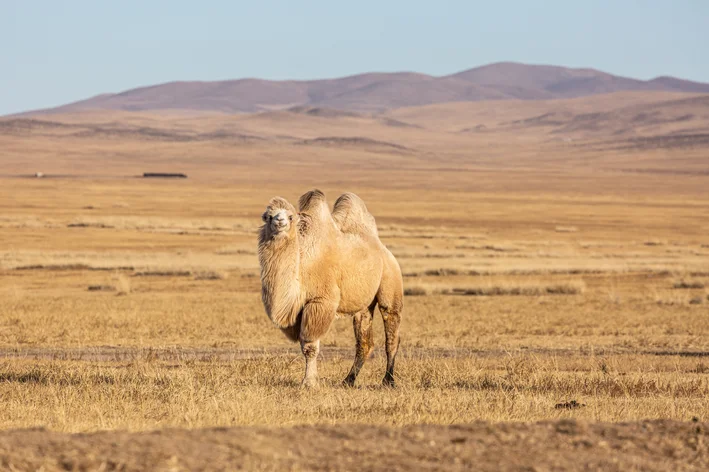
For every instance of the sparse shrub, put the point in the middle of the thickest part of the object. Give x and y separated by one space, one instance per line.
570 405
672 299
654 242
562 288
101 288
233 251
442 272
696 301
567 288
210 275
416 291
163 273
685 283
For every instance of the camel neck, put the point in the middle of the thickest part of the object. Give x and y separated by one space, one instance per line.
280 278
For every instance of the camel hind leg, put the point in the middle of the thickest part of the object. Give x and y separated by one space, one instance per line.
391 305
362 323
392 320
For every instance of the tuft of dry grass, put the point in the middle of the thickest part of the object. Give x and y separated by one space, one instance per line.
688 284
101 288
210 275
417 291
654 242
123 285
501 288
163 273
560 288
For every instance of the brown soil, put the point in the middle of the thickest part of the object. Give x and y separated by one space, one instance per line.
553 445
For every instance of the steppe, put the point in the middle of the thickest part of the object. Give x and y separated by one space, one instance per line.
555 257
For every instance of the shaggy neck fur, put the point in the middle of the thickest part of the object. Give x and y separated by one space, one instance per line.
279 257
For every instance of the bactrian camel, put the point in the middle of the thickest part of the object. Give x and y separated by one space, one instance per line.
316 265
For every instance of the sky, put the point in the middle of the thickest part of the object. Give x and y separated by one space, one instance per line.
57 51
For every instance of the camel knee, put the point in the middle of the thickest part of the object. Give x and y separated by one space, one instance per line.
310 349
368 351
364 349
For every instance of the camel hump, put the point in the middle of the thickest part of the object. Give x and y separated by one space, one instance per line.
311 200
351 216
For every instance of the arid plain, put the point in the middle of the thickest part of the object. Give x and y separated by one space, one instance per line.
555 258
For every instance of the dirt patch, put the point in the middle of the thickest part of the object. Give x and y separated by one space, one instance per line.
552 445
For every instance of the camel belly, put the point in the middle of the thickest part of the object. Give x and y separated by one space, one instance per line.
359 283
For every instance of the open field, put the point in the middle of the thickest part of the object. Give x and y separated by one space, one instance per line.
547 280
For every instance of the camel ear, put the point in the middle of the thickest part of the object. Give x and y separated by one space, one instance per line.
264 217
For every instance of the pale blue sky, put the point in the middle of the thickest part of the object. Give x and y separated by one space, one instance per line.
56 51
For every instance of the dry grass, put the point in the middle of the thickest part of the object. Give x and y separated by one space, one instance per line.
101 288
505 287
123 285
80 396
573 267
210 275
688 283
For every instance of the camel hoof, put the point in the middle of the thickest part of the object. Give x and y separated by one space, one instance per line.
388 382
348 382
309 383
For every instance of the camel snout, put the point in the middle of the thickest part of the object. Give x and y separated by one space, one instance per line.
279 221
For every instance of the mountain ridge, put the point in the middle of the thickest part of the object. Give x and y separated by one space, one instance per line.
378 91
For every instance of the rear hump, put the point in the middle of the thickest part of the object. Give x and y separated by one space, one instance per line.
351 216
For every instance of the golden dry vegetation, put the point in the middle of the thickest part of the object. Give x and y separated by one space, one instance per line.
538 270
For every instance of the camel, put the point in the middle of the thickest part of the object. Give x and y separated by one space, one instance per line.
317 264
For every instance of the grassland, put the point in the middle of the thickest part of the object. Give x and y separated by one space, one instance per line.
538 273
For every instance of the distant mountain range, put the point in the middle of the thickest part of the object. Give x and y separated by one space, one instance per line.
373 92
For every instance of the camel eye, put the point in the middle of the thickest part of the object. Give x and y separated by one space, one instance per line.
290 218
270 217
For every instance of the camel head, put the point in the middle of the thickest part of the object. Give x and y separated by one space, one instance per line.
280 218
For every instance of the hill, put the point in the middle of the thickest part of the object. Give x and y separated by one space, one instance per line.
376 92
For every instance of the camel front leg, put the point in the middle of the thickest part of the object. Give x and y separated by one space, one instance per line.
310 352
316 320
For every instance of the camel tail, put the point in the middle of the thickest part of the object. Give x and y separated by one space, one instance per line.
351 216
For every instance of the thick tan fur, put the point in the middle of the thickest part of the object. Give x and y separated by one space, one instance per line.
325 264
279 257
